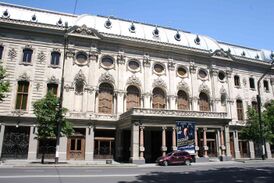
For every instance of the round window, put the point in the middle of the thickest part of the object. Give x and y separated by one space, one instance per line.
107 61
134 65
202 73
181 71
81 58
221 75
158 68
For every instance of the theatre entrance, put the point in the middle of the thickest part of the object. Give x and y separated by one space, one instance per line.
76 145
104 144
153 143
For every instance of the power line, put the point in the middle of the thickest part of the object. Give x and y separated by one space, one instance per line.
75 6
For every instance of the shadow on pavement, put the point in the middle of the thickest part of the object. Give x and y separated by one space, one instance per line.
220 175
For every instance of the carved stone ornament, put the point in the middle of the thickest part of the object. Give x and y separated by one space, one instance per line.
133 80
221 53
244 81
159 83
121 58
222 90
171 64
84 30
146 60
24 77
53 79
41 57
192 67
228 72
106 77
68 88
80 77
183 86
70 53
12 53
204 88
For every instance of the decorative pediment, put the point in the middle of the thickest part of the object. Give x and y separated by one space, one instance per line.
85 31
183 86
133 80
106 77
24 77
159 83
53 79
222 54
204 88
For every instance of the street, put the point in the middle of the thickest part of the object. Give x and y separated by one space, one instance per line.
258 172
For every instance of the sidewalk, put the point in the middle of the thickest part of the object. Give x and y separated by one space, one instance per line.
102 163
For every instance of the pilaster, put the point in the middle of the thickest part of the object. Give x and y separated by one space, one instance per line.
268 150
89 149
63 149
32 152
236 145
251 150
227 143
135 143
2 130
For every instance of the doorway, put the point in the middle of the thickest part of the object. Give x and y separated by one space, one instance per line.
76 145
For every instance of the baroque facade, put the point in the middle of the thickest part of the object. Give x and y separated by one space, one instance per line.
125 85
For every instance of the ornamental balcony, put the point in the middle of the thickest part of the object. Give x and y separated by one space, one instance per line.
145 112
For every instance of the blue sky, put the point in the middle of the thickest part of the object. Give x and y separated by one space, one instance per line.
248 23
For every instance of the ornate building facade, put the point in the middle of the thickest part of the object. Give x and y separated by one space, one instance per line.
125 85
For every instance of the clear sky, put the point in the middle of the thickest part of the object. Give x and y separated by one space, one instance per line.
248 23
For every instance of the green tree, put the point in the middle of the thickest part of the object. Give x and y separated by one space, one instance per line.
46 112
252 129
4 85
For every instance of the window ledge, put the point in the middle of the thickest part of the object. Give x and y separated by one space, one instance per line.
239 87
26 63
253 89
54 66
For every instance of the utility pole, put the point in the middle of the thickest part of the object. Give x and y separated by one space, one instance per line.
60 103
262 140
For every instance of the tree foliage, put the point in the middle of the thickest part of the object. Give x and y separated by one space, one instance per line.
252 129
46 111
4 85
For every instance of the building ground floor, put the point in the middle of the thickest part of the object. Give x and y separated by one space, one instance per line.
138 140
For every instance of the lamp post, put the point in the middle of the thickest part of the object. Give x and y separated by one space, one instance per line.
262 140
60 102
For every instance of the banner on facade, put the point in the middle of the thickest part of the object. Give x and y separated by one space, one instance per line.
186 136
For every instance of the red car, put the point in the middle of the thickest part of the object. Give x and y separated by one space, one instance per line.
174 158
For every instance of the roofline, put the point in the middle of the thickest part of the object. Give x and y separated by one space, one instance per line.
240 46
37 9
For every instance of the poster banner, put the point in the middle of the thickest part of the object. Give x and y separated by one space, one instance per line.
186 136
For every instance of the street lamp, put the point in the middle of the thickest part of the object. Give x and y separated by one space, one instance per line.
262 140
60 102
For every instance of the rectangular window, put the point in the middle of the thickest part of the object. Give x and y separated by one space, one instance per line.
1 51
27 54
252 83
52 87
55 58
236 80
22 95
240 111
266 87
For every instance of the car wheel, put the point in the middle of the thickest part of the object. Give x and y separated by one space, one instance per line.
165 163
187 162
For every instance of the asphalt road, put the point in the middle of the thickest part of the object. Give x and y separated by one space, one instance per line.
206 173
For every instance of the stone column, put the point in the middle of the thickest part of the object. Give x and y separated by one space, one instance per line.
268 150
196 143
219 144
174 146
214 74
33 143
222 143
146 98
2 130
251 150
164 148
205 143
172 102
89 150
142 148
63 149
147 81
91 100
227 143
194 87
236 145
134 143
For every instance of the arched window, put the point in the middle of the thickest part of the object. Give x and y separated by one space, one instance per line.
22 95
27 54
159 99
223 99
79 87
204 102
183 103
105 98
133 97
240 111
55 58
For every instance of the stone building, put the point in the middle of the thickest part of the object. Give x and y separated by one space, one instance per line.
125 84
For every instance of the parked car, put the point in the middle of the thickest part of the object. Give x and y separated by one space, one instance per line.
175 158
